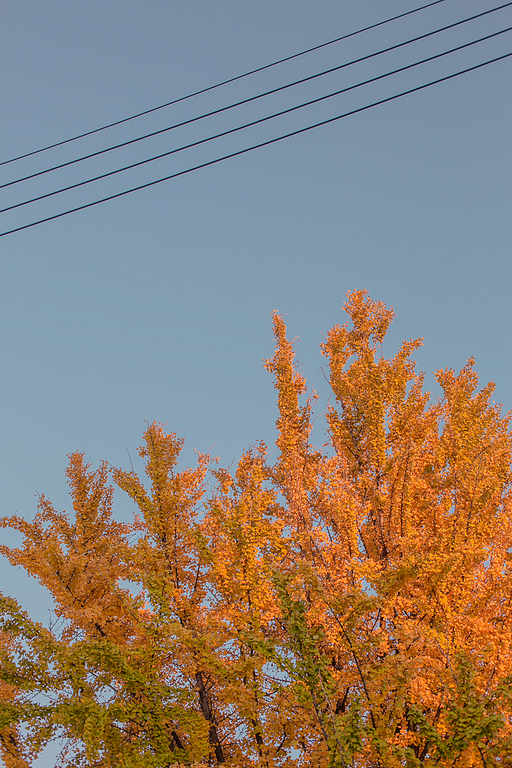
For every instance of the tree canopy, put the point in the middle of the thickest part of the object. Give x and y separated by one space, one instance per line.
348 605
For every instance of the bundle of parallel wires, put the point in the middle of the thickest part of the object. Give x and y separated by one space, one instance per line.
235 122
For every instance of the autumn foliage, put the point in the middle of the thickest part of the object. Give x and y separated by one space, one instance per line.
342 606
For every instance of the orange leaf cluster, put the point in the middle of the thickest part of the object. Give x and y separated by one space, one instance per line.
349 606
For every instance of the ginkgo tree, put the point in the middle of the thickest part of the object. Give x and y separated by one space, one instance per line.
349 605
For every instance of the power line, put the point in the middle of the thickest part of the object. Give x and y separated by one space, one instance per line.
254 122
254 98
257 146
224 82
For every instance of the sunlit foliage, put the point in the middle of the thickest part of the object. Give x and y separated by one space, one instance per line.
342 606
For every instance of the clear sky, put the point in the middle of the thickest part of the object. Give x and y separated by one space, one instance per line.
158 305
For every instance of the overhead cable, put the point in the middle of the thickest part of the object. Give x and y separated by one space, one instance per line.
254 122
255 98
224 82
257 146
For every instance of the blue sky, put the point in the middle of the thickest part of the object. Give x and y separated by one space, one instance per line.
158 305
